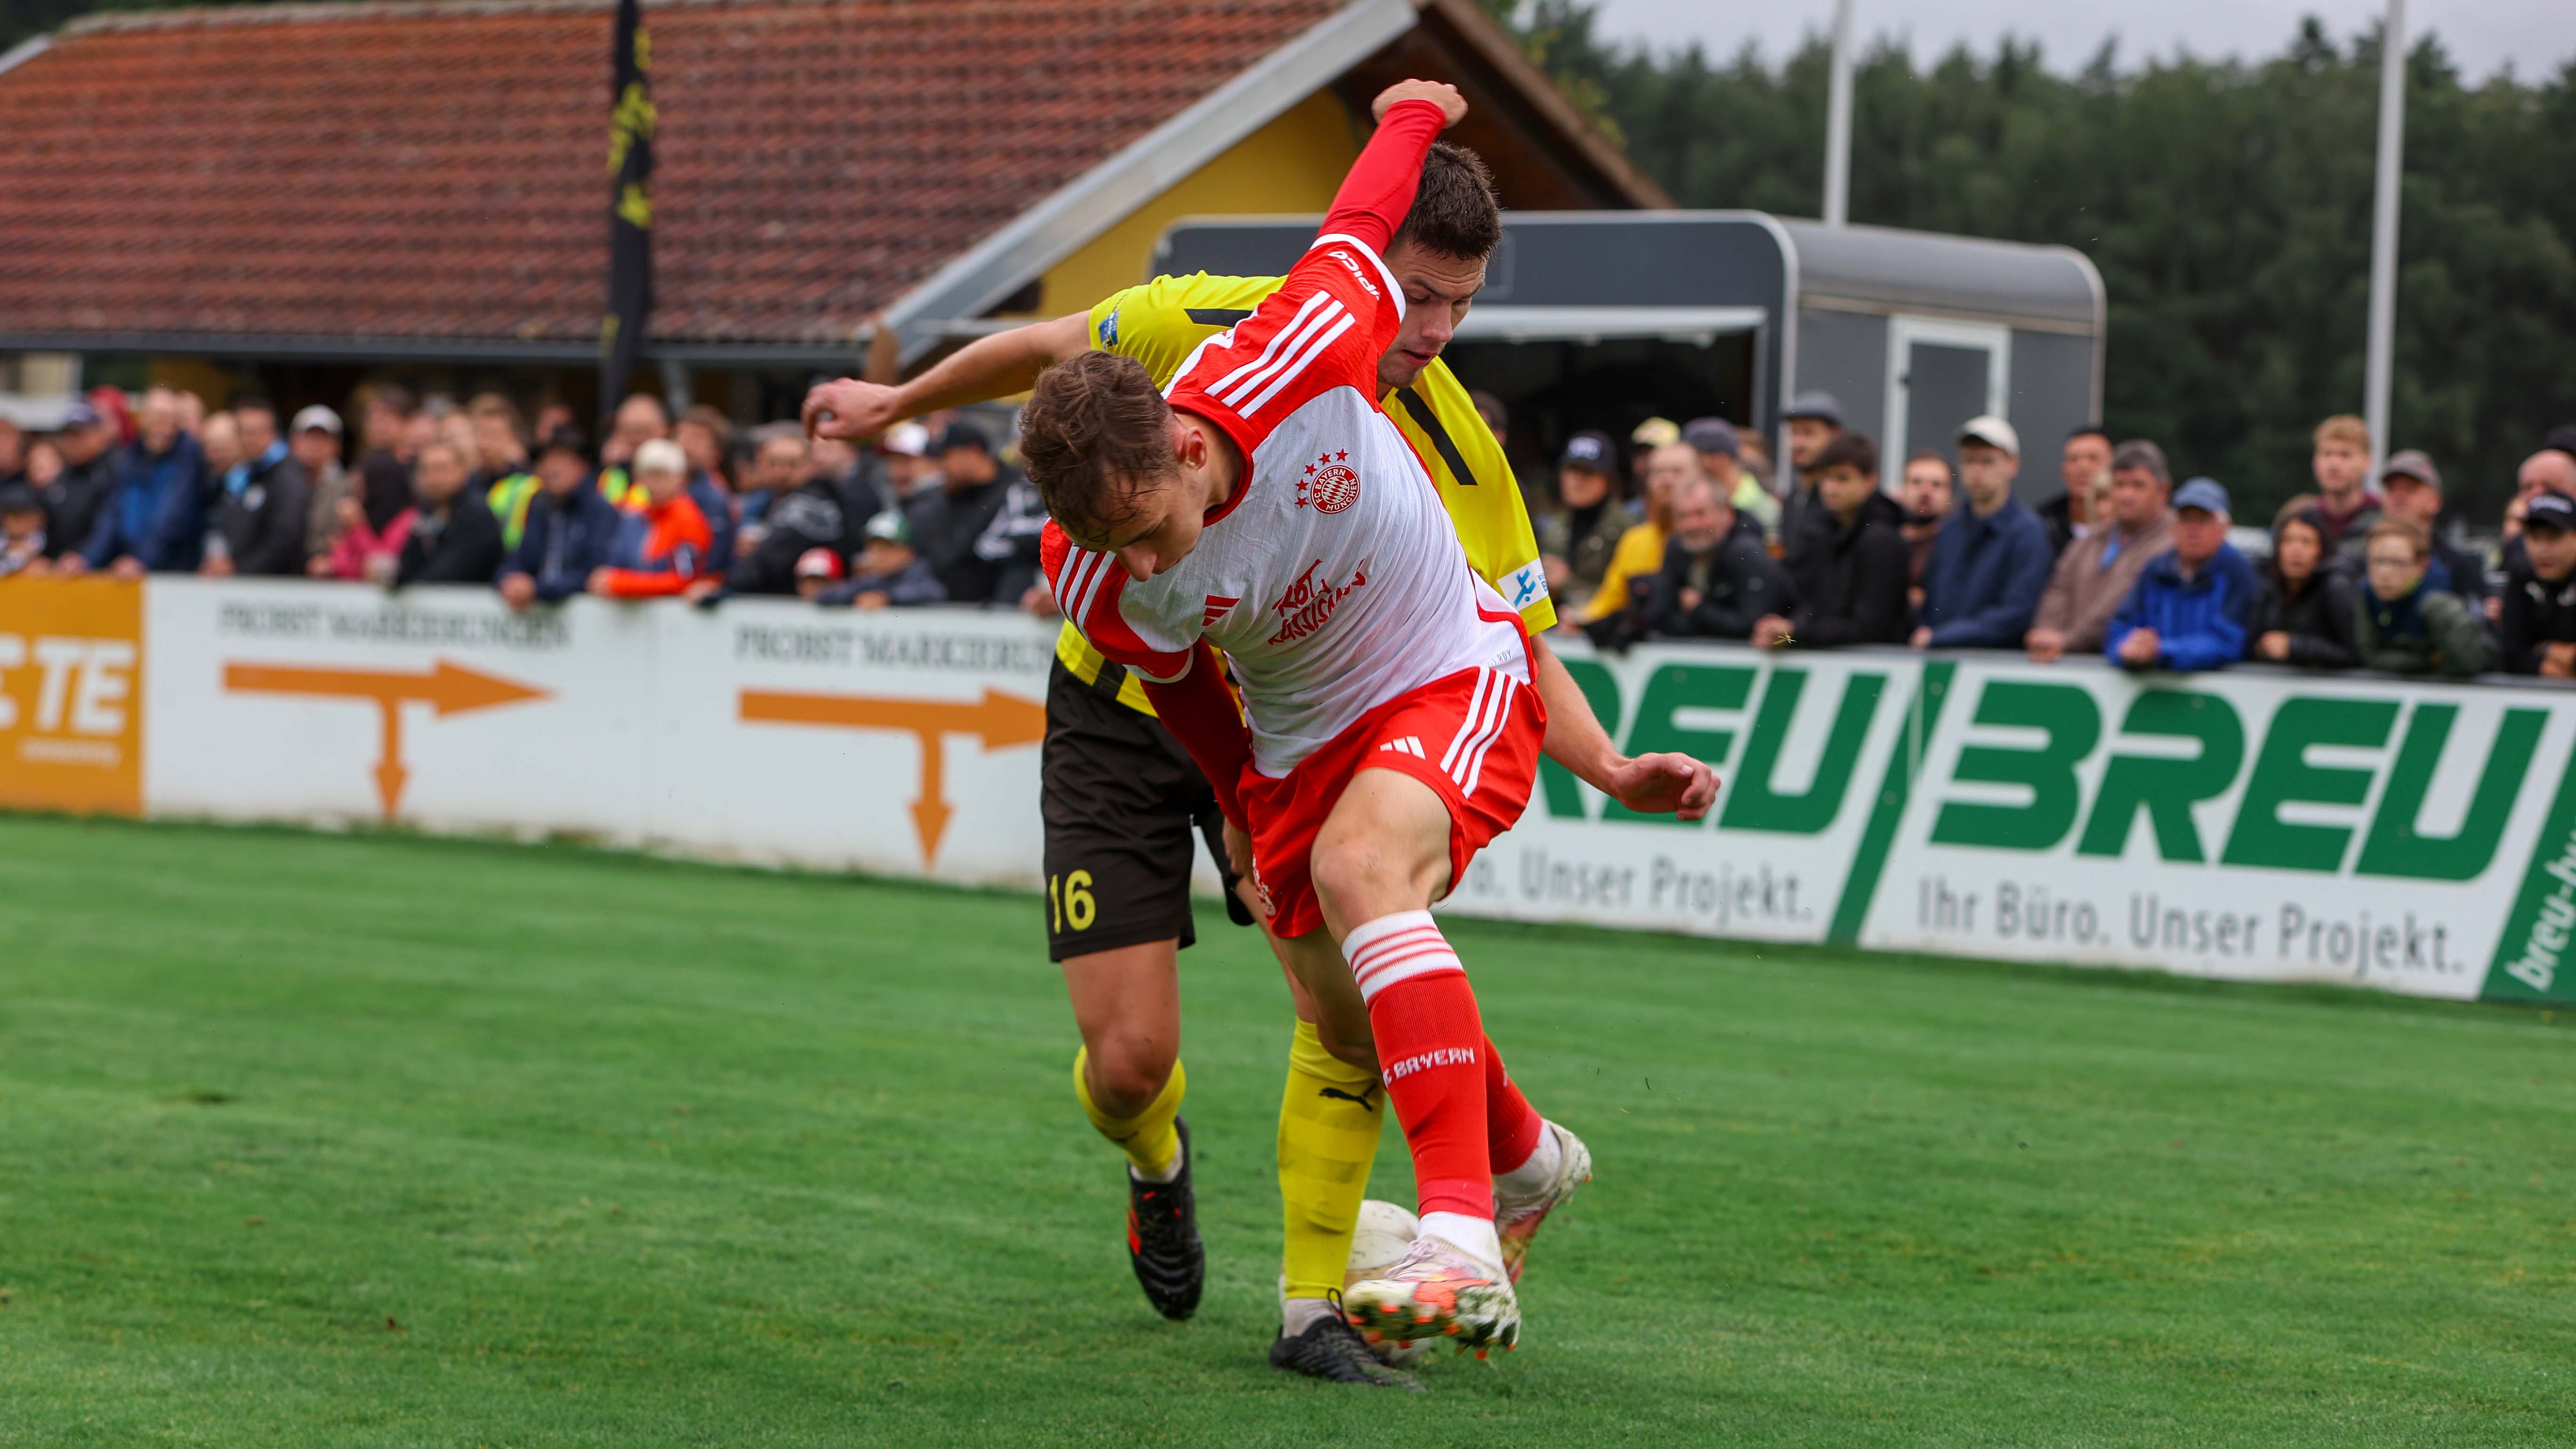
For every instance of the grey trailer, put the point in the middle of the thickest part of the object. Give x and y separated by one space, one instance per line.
1603 319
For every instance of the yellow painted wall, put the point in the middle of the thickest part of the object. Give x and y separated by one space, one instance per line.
1292 165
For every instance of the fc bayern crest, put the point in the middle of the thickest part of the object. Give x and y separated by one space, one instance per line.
1329 485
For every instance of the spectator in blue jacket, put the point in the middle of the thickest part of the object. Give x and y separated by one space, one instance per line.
155 520
2194 604
572 528
1991 560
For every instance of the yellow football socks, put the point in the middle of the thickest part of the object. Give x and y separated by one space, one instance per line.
1328 1126
1148 1138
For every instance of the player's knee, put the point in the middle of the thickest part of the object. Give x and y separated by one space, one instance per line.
1128 1074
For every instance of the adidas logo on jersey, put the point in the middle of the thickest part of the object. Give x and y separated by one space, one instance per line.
1307 604
1352 262
1408 745
1217 605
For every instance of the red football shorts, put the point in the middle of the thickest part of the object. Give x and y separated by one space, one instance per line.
1473 736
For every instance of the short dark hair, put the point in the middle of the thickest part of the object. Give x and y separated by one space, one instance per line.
2088 430
394 398
2140 453
256 404
1095 426
1454 211
1847 450
718 426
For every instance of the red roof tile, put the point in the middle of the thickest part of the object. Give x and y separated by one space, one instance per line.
426 171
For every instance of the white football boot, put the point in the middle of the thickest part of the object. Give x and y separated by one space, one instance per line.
1517 1219
1437 1291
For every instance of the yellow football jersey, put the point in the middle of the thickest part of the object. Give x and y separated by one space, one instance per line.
1159 322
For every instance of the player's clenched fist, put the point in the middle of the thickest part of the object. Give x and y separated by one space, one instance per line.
848 408
1453 106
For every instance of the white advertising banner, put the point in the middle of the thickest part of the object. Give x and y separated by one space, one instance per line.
2255 824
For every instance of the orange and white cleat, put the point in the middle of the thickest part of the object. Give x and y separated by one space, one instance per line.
1436 1291
1516 1220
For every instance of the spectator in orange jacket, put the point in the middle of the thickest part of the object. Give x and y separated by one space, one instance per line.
668 547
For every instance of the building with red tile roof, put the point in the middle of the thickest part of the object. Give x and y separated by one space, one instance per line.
302 194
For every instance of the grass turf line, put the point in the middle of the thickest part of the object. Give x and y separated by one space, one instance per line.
379 1140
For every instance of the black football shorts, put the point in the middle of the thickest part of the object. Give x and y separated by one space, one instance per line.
1125 808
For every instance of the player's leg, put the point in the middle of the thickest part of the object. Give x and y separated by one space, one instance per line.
1330 1113
1118 851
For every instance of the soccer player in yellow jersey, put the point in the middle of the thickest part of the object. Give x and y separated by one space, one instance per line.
1121 799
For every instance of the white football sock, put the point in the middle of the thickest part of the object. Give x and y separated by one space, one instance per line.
1532 1177
1299 1314
1474 1237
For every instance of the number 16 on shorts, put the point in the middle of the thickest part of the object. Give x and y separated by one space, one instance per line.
1069 900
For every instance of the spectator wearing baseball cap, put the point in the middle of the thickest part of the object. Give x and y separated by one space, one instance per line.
155 520
313 438
1990 561
974 486
22 531
817 569
2538 615
890 572
75 499
1577 537
1721 457
1815 419
571 527
2096 573
2406 627
2193 605
2410 489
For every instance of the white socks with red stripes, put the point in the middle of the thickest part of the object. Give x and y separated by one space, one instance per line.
1397 948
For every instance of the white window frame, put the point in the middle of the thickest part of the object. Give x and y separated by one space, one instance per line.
1903 331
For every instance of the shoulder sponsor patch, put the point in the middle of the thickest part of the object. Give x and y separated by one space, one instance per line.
1525 585
1109 329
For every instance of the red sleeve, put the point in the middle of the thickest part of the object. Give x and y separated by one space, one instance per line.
682 539
1337 310
1201 713
1379 190
1087 587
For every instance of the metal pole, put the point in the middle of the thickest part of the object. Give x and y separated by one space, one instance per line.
2383 229
1838 109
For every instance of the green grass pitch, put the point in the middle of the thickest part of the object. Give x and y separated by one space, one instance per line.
376 1140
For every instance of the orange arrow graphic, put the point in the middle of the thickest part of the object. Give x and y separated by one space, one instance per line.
447 687
1000 720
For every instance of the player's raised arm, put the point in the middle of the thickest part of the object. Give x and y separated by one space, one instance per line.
986 368
1379 190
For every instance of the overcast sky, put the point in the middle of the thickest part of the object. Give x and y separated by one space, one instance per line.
2481 35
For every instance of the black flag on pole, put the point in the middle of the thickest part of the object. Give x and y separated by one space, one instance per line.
630 208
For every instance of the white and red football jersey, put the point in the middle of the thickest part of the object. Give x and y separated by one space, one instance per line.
1333 580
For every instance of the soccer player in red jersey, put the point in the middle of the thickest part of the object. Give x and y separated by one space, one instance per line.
1388 727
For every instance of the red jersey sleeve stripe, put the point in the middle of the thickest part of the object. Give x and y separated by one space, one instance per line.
1282 351
1278 340
1313 350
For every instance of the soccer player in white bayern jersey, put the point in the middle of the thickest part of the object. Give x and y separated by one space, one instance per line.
1388 728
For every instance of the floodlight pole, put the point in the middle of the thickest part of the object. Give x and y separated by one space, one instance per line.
2383 230
1838 109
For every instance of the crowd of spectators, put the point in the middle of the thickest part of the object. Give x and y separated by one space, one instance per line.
1713 542
2121 564
437 492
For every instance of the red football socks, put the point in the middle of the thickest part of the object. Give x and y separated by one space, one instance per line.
1432 1054
1511 1123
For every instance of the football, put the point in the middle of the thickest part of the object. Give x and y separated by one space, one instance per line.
1384 1232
